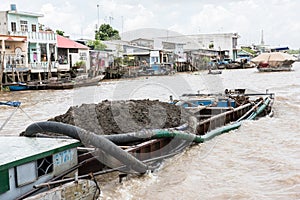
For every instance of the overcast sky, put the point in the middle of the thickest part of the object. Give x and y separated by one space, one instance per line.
279 19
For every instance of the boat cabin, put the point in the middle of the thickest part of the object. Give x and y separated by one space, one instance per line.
25 162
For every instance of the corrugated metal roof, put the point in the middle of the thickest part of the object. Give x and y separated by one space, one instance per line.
63 42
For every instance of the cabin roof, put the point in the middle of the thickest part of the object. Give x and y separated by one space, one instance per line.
20 150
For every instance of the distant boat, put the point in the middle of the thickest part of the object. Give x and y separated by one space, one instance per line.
274 61
211 71
214 72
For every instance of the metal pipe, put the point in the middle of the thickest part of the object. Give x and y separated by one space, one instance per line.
249 111
261 108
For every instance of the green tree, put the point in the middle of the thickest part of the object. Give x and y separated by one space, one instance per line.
293 51
59 32
249 50
96 45
106 32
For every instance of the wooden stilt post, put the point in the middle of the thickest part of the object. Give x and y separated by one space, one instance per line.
13 73
40 77
22 76
1 70
18 75
5 78
28 76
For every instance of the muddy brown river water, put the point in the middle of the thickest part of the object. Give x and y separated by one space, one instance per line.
260 160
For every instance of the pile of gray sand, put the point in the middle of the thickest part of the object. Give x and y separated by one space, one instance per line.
115 117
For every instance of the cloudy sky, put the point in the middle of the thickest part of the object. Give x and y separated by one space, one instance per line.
279 19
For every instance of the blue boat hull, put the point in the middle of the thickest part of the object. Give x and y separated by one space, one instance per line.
17 87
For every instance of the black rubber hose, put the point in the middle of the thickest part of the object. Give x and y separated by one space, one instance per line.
124 138
88 138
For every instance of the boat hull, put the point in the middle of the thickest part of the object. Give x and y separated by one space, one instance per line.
18 87
274 69
75 84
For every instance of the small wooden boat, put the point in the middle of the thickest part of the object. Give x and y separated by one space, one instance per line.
214 72
18 86
59 85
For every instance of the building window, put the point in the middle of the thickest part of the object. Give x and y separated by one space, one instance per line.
154 60
73 50
6 47
234 42
33 28
43 49
24 26
13 27
62 56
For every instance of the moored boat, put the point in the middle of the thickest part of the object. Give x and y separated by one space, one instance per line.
17 86
56 85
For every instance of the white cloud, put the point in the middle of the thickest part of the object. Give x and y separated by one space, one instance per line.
139 17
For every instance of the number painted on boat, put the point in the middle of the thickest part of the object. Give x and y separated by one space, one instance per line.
63 157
